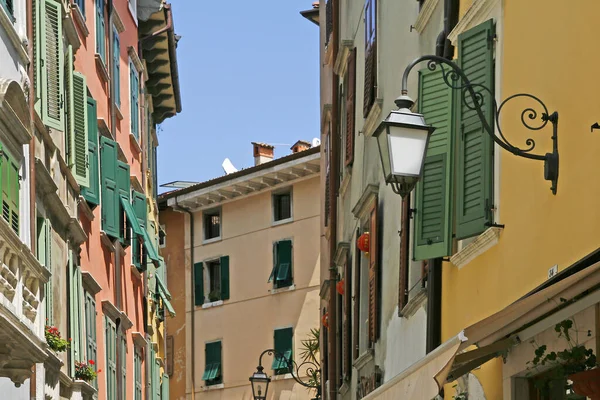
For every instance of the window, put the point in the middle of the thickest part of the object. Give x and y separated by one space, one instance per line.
110 344
100 31
108 179
134 92
91 192
554 389
284 345
457 181
162 236
81 5
137 365
90 330
349 109
117 66
217 279
8 7
282 206
75 307
281 274
213 370
212 224
44 234
123 361
370 91
137 248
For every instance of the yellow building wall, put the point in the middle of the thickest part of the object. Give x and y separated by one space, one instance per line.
549 49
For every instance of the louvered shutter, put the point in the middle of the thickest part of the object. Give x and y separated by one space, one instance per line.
90 329
110 199
123 361
198 284
133 100
225 278
117 66
91 191
51 64
350 107
156 378
284 345
346 335
123 186
80 131
111 358
100 30
75 312
356 311
165 387
370 56
8 7
433 216
373 276
139 206
37 53
474 187
138 375
69 114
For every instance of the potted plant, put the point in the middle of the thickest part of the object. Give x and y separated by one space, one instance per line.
215 295
576 363
85 371
55 342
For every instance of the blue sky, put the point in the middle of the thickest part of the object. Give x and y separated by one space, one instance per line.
249 71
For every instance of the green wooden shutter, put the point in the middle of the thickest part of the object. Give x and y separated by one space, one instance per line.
123 360
284 341
43 255
123 186
110 198
51 64
225 278
35 20
90 329
80 129
433 217
139 206
91 191
213 362
75 312
283 276
8 6
199 284
117 66
474 185
165 387
134 84
156 379
110 343
151 363
69 114
137 361
100 30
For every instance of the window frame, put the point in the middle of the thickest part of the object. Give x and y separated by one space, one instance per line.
211 213
289 191
208 275
132 69
275 270
219 379
283 371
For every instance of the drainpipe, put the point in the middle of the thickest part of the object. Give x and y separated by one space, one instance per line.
179 208
31 166
333 180
443 46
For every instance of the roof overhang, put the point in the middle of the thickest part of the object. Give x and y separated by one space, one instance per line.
159 50
312 15
249 182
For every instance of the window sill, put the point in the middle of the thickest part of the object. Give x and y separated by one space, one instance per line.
212 240
107 241
373 119
425 14
283 289
85 208
281 377
345 181
136 272
118 112
283 221
212 304
484 242
79 19
134 143
101 67
364 359
341 62
214 387
344 388
414 304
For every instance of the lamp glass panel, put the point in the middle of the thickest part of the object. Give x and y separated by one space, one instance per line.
384 151
407 150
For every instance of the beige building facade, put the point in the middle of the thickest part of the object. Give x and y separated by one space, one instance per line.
243 251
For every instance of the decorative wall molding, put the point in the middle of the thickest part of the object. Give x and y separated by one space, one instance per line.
341 62
373 119
362 206
485 241
414 304
476 14
425 15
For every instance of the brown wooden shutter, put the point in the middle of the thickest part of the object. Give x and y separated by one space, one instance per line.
350 106
356 312
368 92
373 276
347 349
404 245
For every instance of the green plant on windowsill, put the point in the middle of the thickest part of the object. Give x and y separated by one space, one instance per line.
215 295
575 358
55 342
85 371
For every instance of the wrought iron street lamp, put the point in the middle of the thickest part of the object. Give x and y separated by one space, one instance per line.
403 136
260 380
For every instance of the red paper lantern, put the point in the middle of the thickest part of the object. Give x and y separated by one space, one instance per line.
363 242
340 287
325 320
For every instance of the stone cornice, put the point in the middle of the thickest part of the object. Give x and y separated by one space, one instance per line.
478 12
425 15
341 253
373 119
485 241
89 283
341 63
362 206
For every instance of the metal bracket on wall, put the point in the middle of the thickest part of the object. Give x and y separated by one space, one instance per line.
595 126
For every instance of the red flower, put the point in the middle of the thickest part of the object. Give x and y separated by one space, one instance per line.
70 339
99 371
92 362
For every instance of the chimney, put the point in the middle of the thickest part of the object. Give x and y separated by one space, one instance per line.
262 153
299 146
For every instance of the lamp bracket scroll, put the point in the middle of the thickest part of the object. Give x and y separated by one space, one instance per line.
472 97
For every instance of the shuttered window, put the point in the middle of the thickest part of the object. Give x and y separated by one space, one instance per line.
433 227
350 107
100 30
90 330
373 275
44 234
347 323
110 198
282 272
76 312
370 91
137 365
117 66
36 13
156 378
110 344
123 362
91 192
356 310
10 184
81 5
198 284
474 186
8 7
225 278
80 166
165 387
134 87
51 64
213 370
284 350
123 188
139 207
